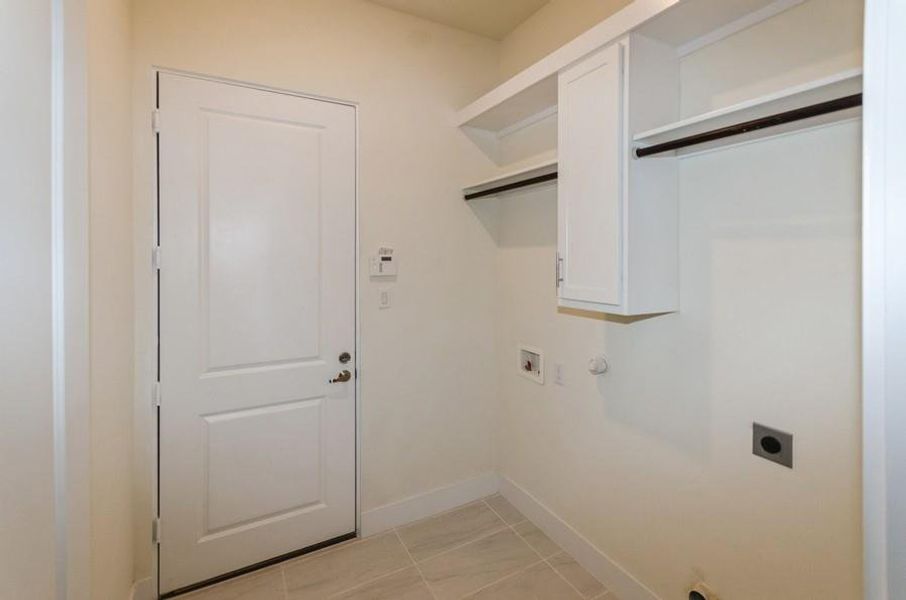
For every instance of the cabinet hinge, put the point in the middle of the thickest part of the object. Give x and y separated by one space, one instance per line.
155 120
155 531
155 393
155 257
559 270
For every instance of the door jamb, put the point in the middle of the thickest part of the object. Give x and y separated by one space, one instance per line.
154 349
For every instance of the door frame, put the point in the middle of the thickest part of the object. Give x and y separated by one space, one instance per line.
884 297
151 364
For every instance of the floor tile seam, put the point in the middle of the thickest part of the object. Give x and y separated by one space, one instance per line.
563 577
500 516
502 579
370 581
442 513
283 578
415 564
526 542
480 537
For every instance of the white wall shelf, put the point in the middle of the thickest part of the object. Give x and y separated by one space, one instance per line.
834 86
521 174
686 25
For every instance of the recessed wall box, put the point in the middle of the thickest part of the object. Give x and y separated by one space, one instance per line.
530 363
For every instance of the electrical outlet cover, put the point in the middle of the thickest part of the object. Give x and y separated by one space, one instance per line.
772 444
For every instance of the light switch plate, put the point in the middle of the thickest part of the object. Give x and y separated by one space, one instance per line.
385 299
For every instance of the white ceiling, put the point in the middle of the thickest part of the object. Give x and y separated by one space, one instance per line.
491 18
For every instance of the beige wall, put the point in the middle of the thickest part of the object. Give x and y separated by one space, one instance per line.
110 185
652 462
553 25
428 371
26 416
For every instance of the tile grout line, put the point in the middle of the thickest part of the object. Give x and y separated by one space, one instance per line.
502 579
510 525
545 560
369 582
285 586
488 534
563 577
505 526
414 563
435 515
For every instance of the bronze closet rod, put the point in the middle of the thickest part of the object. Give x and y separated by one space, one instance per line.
797 114
512 186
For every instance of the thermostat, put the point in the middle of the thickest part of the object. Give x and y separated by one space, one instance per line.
383 264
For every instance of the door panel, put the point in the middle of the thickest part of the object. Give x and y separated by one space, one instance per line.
266 213
273 450
589 184
257 301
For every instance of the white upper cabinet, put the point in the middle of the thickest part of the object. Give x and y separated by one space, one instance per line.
590 211
586 108
617 216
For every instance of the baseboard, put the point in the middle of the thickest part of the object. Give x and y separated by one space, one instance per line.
427 504
614 577
142 590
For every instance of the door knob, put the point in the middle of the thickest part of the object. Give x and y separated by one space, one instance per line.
345 357
342 377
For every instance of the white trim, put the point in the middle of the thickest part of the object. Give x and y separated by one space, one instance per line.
428 504
69 299
253 86
744 22
614 577
606 31
357 352
58 293
142 590
528 121
498 108
884 299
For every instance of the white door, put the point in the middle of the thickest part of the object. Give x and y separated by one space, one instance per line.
257 304
589 190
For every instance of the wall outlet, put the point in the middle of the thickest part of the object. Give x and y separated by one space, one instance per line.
559 374
772 444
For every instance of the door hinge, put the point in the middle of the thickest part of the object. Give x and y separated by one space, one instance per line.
155 531
155 257
155 120
155 393
559 270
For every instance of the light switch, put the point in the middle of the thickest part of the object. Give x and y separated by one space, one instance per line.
384 299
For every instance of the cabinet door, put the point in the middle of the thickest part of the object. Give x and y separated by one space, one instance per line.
590 199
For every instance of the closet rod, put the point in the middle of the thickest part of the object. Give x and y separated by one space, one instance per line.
512 186
797 114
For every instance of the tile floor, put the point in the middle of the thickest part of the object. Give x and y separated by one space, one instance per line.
482 551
